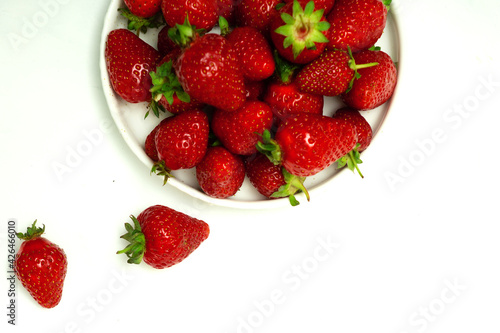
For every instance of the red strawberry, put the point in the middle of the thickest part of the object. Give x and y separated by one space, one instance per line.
331 74
253 52
164 43
203 14
220 174
254 89
306 143
299 33
143 8
326 5
256 13
163 237
208 69
181 142
364 137
129 60
41 267
239 130
227 9
272 181
376 84
167 92
357 24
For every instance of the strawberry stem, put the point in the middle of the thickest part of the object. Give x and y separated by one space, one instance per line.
160 169
135 250
269 147
292 186
355 67
351 159
141 24
32 232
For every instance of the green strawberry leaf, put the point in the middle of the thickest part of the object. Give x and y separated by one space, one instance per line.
140 24
32 232
135 250
352 159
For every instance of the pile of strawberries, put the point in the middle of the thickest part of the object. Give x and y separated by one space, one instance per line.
248 101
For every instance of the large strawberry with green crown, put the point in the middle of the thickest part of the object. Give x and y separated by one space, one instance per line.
299 34
331 74
220 173
357 24
307 143
129 60
162 237
208 68
376 84
41 267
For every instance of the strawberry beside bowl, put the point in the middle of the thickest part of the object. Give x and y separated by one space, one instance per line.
134 128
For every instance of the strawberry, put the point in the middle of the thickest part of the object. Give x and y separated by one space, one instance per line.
357 24
129 60
150 144
220 174
41 267
203 14
162 237
306 143
256 13
376 84
299 33
167 92
272 181
331 74
364 137
208 69
181 141
253 52
165 44
143 8
254 89
283 95
227 9
326 5
239 130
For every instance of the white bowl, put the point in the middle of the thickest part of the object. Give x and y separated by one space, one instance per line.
129 119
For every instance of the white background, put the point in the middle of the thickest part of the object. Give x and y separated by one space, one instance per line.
419 253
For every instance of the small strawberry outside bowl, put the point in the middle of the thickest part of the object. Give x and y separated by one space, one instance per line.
134 128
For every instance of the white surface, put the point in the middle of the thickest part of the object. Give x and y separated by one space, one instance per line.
130 122
418 256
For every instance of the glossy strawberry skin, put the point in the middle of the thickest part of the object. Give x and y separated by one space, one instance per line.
181 140
209 71
129 60
238 130
356 23
143 8
164 44
253 51
376 84
227 9
363 128
256 13
328 75
203 14
310 143
286 99
265 176
41 267
220 174
171 236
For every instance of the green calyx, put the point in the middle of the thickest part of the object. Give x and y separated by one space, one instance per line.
140 24
31 233
160 169
284 70
135 250
184 34
303 28
387 4
269 147
293 185
355 67
351 159
165 84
